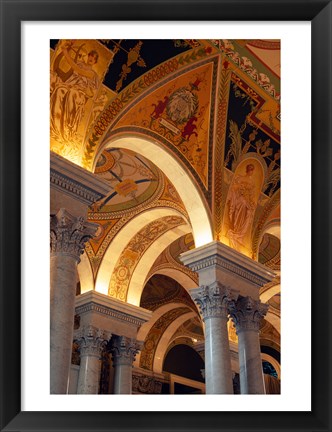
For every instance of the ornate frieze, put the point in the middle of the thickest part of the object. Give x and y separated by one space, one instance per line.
124 350
69 234
213 300
91 341
146 384
247 313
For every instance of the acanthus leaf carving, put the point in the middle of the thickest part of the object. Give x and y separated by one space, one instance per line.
247 313
68 234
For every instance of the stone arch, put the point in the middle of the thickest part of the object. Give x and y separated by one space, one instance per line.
146 327
165 340
121 239
143 267
183 278
195 205
273 362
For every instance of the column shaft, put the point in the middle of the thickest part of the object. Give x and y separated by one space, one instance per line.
89 375
68 235
63 286
212 301
123 379
247 315
218 371
250 362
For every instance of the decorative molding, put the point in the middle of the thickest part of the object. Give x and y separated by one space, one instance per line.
220 137
68 234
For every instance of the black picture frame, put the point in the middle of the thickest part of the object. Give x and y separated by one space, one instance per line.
12 13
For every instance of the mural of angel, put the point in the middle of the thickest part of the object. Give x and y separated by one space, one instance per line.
242 203
69 97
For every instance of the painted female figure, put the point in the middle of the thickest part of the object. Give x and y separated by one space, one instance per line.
69 98
241 201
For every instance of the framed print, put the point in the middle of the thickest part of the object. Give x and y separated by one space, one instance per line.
150 165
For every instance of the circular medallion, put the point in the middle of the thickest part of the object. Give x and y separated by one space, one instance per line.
182 105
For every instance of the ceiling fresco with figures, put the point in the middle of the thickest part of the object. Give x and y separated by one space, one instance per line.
212 106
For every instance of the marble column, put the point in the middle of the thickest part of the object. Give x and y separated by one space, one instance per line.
247 315
213 303
91 343
68 236
123 351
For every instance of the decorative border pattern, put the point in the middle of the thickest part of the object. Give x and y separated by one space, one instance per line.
223 97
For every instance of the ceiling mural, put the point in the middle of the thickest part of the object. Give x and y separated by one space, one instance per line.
119 105
179 113
78 68
132 179
172 91
160 290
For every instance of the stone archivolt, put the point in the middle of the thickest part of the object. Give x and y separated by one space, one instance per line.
135 249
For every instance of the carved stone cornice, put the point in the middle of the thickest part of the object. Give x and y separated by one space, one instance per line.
68 234
75 181
213 300
91 341
124 350
113 313
247 313
232 264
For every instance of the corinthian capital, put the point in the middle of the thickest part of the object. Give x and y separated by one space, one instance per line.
69 234
124 350
213 300
247 313
91 341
